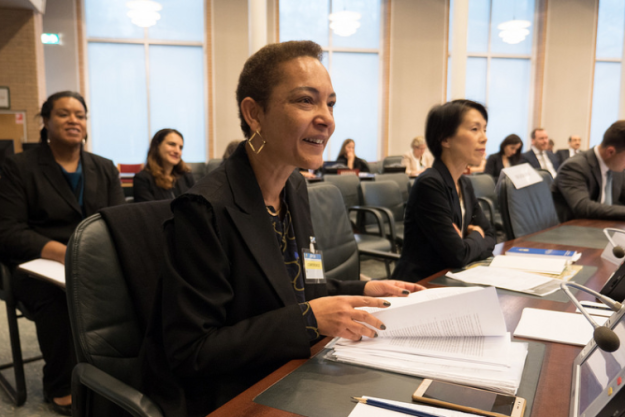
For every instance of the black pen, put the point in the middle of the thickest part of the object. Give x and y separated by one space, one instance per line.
391 407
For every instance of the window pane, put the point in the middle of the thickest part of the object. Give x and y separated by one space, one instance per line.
476 80
118 112
368 34
451 25
108 19
304 20
605 100
356 112
479 17
506 10
610 27
508 100
449 78
181 20
177 96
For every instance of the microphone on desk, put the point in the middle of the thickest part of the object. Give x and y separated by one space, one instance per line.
617 250
604 337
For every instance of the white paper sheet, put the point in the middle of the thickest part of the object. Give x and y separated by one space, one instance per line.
509 279
539 265
364 410
522 175
46 269
556 326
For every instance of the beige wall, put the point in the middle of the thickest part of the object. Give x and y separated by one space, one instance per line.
417 74
568 73
21 56
230 50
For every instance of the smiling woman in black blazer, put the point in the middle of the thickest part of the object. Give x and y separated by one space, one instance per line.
235 303
44 193
509 155
444 225
165 175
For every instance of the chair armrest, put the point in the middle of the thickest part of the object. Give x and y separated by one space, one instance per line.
87 377
491 207
377 213
388 215
379 254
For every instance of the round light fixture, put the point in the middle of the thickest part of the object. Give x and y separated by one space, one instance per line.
144 13
514 31
345 23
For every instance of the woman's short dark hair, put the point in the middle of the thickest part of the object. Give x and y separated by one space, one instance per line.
443 121
154 163
511 139
48 105
262 72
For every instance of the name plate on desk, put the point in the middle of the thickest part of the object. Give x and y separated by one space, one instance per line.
522 175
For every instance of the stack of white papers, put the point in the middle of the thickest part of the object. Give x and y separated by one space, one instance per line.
552 266
46 269
451 334
508 279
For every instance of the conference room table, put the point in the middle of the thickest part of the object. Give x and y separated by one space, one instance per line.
554 384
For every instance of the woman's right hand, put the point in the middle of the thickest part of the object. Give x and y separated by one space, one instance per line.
55 251
337 316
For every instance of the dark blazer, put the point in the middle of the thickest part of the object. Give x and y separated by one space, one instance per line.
563 155
359 164
494 165
144 187
37 204
431 243
227 314
576 190
530 157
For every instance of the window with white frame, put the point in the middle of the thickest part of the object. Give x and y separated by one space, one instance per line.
142 80
606 93
498 73
352 61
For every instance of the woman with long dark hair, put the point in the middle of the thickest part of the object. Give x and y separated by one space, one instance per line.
165 175
44 194
347 156
509 155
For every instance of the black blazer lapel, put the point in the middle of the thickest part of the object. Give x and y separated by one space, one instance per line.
252 221
595 168
54 175
92 186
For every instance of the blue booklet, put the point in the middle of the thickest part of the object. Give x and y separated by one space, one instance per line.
548 253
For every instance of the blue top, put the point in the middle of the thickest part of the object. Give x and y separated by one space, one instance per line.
76 182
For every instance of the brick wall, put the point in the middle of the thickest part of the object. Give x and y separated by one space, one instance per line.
20 64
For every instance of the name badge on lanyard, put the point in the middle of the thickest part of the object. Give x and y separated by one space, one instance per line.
313 264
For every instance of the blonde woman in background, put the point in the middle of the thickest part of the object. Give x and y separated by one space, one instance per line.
419 158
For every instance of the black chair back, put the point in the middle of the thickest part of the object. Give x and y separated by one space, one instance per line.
527 210
198 169
213 164
384 194
333 232
403 182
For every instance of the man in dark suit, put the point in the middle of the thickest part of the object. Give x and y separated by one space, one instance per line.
538 156
591 185
575 143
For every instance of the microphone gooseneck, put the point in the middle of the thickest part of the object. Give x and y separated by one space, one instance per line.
617 250
603 336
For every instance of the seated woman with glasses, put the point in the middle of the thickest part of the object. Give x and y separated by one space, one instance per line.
444 224
418 159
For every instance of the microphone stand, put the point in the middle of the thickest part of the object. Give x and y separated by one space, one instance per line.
605 337
617 250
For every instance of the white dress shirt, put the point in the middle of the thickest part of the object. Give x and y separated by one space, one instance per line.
604 171
573 152
544 161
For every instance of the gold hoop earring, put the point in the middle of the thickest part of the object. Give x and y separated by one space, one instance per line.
249 141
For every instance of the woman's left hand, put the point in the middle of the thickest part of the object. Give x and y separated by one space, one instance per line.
391 288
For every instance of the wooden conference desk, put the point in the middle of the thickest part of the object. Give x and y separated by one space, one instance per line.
553 392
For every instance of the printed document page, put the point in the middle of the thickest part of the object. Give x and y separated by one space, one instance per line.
46 269
443 312
508 279
364 410
539 265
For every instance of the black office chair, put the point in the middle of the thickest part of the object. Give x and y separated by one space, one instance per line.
14 310
334 235
349 187
376 167
198 169
484 188
527 210
386 197
401 178
112 265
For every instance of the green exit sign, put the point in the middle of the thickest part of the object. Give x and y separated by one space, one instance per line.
50 38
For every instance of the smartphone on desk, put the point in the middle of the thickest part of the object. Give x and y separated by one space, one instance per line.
468 399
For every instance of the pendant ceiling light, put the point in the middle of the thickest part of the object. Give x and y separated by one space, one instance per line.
514 31
144 13
345 23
